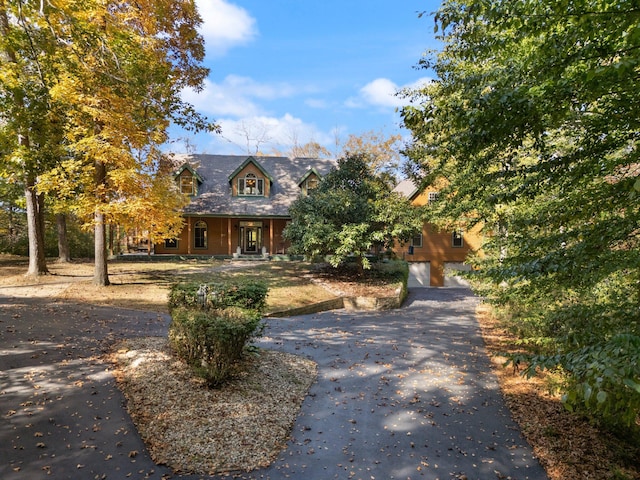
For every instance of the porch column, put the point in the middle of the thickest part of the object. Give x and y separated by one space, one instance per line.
229 252
188 235
271 236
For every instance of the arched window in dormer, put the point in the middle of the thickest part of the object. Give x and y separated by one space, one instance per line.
250 185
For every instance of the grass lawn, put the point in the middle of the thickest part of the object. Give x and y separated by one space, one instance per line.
144 285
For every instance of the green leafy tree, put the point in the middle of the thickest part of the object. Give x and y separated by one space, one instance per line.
350 214
13 228
531 129
96 83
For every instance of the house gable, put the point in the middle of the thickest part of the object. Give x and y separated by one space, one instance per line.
408 189
418 197
188 180
250 179
309 181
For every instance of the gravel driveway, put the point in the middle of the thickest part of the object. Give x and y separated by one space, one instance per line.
404 394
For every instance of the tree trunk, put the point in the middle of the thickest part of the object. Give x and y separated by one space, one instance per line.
101 274
64 255
35 202
35 229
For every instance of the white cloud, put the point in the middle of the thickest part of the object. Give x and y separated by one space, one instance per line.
225 25
382 92
235 96
265 133
249 87
316 103
215 100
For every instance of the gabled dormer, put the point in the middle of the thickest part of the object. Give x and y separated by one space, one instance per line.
250 180
309 181
188 180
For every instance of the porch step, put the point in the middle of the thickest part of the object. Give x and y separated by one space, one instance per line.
250 258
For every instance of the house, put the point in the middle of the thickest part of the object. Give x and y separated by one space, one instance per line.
434 255
239 203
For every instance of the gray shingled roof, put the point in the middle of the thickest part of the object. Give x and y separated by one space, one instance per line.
406 188
214 195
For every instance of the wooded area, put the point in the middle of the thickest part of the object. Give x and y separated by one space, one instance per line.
87 92
533 129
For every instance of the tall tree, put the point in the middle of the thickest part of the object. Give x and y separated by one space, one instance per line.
29 127
351 213
116 70
383 150
531 128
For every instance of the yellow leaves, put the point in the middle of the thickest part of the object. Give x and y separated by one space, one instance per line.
107 77
10 74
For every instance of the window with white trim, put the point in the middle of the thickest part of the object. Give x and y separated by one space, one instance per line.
457 240
250 185
433 197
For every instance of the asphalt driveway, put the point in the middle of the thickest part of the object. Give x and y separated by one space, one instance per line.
404 394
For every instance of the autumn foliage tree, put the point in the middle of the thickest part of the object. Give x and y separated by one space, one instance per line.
384 151
532 129
109 77
30 129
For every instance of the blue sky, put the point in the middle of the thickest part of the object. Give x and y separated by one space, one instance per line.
294 71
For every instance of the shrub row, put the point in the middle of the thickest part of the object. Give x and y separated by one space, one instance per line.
247 294
212 335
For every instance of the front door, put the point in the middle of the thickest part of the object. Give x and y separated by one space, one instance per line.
251 240
251 237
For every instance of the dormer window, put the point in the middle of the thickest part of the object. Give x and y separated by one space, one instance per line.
188 180
250 185
311 184
187 184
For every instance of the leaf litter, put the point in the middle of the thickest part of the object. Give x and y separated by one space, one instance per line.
191 428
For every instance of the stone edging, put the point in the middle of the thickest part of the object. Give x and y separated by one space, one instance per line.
348 303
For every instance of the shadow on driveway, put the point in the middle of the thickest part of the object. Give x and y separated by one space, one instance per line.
62 415
404 394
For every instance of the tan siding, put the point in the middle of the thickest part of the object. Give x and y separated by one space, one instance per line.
437 248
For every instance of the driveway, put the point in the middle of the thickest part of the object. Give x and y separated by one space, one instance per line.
404 394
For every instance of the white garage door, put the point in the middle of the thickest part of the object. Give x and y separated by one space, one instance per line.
451 279
419 274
